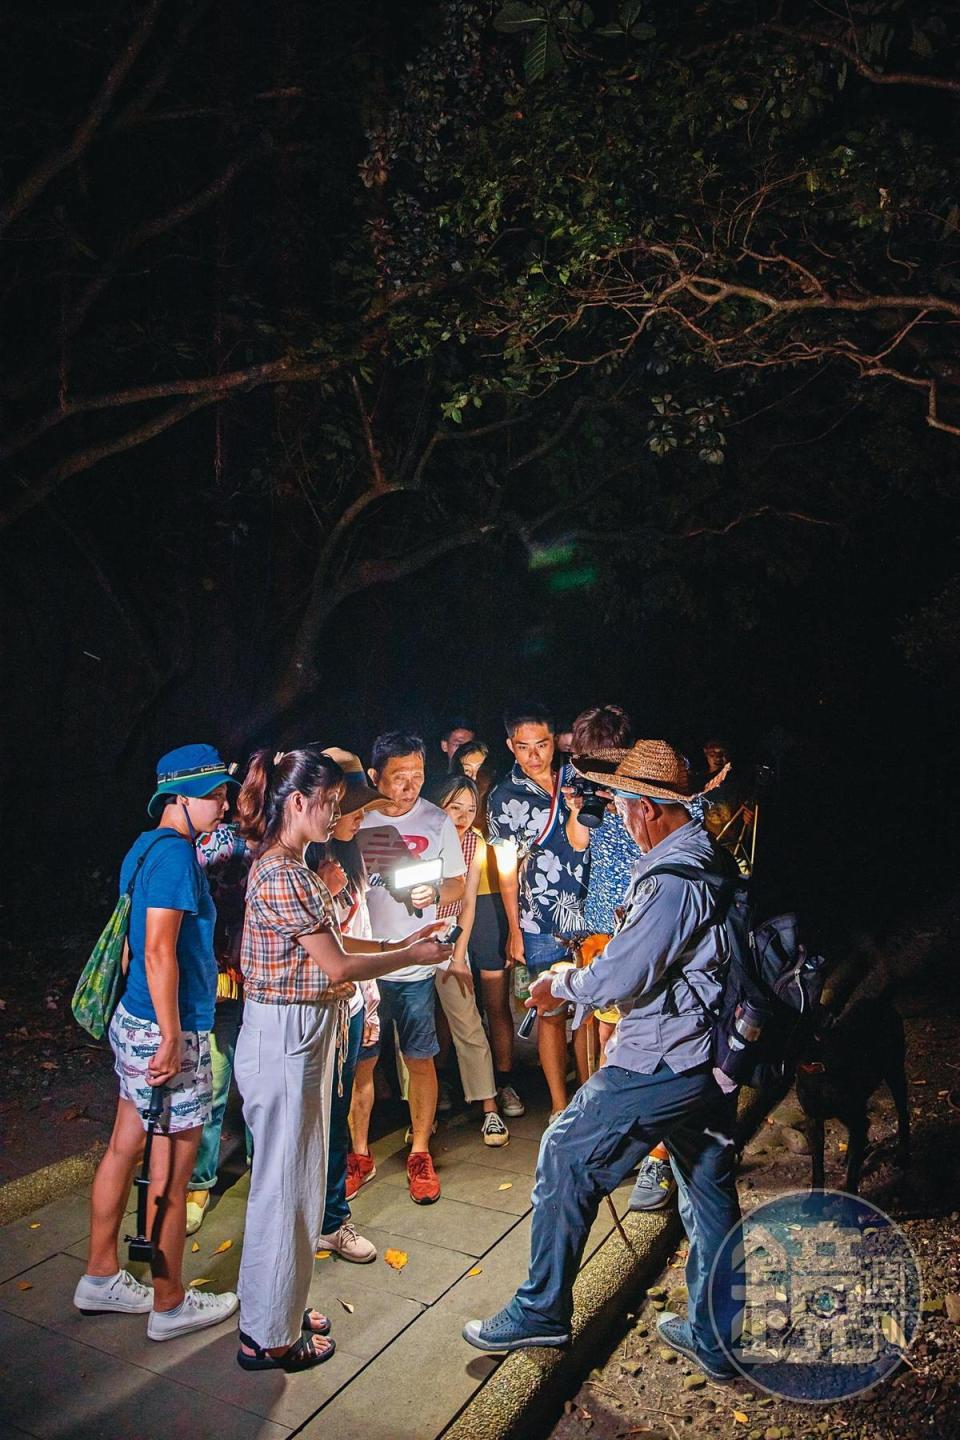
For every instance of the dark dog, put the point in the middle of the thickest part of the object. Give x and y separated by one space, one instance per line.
846 1062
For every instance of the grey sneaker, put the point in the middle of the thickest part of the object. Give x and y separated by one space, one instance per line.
677 1334
510 1103
122 1293
655 1186
196 1313
444 1097
504 1332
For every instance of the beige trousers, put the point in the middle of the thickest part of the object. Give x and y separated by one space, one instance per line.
469 1038
284 1068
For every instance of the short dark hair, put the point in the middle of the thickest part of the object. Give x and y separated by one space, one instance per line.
393 743
528 715
457 722
602 727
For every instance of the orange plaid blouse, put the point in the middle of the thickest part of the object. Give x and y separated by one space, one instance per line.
284 901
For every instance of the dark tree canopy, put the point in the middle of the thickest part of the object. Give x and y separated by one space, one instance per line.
638 311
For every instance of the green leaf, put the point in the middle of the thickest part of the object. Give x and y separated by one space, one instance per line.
515 17
543 54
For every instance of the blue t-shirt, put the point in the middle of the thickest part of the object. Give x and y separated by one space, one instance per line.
171 879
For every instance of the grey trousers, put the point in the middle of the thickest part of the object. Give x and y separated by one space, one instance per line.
284 1068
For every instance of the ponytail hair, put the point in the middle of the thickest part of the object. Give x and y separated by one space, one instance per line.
272 779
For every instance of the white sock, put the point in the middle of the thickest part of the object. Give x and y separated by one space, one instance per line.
101 1279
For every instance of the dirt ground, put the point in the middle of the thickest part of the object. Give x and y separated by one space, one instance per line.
646 1392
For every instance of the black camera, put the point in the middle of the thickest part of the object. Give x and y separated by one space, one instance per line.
594 805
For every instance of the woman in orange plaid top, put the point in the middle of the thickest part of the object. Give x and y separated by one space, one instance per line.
298 973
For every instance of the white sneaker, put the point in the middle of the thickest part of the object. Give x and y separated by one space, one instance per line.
346 1243
196 1313
554 1117
494 1131
408 1135
123 1293
510 1103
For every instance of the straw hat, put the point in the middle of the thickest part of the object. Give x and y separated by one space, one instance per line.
357 794
650 767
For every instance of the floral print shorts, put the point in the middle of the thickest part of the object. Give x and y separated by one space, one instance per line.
187 1097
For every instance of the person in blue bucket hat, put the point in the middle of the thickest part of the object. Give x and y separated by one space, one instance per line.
160 1036
193 771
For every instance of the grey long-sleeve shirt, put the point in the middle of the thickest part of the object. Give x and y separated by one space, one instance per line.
667 945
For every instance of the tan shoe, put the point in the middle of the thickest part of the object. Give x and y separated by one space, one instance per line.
197 1202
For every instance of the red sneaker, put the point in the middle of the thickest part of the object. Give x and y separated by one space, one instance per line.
360 1169
422 1178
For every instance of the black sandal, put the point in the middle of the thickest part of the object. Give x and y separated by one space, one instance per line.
323 1328
302 1355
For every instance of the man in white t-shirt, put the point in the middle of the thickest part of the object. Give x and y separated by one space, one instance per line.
405 828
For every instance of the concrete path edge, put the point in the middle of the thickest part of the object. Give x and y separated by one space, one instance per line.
528 1389
28 1192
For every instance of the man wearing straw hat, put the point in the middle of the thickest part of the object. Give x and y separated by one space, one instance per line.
664 969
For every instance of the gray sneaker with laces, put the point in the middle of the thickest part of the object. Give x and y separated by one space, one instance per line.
655 1186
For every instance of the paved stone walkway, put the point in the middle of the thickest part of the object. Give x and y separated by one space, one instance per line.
401 1371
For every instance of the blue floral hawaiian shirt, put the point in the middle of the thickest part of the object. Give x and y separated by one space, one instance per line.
613 854
553 876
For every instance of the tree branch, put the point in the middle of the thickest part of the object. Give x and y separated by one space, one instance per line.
34 185
853 58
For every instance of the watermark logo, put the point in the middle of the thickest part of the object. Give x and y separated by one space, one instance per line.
816 1296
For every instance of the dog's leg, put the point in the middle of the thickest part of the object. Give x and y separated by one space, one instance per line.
897 1085
815 1136
856 1146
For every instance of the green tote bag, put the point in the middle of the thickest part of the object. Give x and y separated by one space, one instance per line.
98 989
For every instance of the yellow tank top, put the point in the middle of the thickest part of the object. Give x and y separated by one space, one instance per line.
489 877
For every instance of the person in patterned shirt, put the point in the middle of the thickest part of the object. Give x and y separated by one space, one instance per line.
542 877
298 975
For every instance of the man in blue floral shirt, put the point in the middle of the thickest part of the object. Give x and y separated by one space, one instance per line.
543 879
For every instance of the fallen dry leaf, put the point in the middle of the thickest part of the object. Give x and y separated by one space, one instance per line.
346 1305
34 1224
919 1082
507 1185
24 1285
224 1245
49 1065
74 1112
194 1248
322 1255
396 1259
195 1284
892 1333
477 1270
741 1418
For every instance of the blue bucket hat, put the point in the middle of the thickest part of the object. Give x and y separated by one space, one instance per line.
192 770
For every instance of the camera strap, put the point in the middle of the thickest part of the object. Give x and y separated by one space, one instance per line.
552 814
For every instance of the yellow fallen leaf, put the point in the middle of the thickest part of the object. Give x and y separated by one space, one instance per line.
842 1146
507 1185
396 1259
322 1255
194 1247
35 1225
741 1418
195 1284
477 1269
224 1245
892 1332
24 1285
346 1305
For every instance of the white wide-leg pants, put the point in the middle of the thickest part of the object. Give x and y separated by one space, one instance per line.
284 1069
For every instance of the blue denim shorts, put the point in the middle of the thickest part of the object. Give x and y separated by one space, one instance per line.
542 951
411 1006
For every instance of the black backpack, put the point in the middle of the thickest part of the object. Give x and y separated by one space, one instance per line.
771 990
